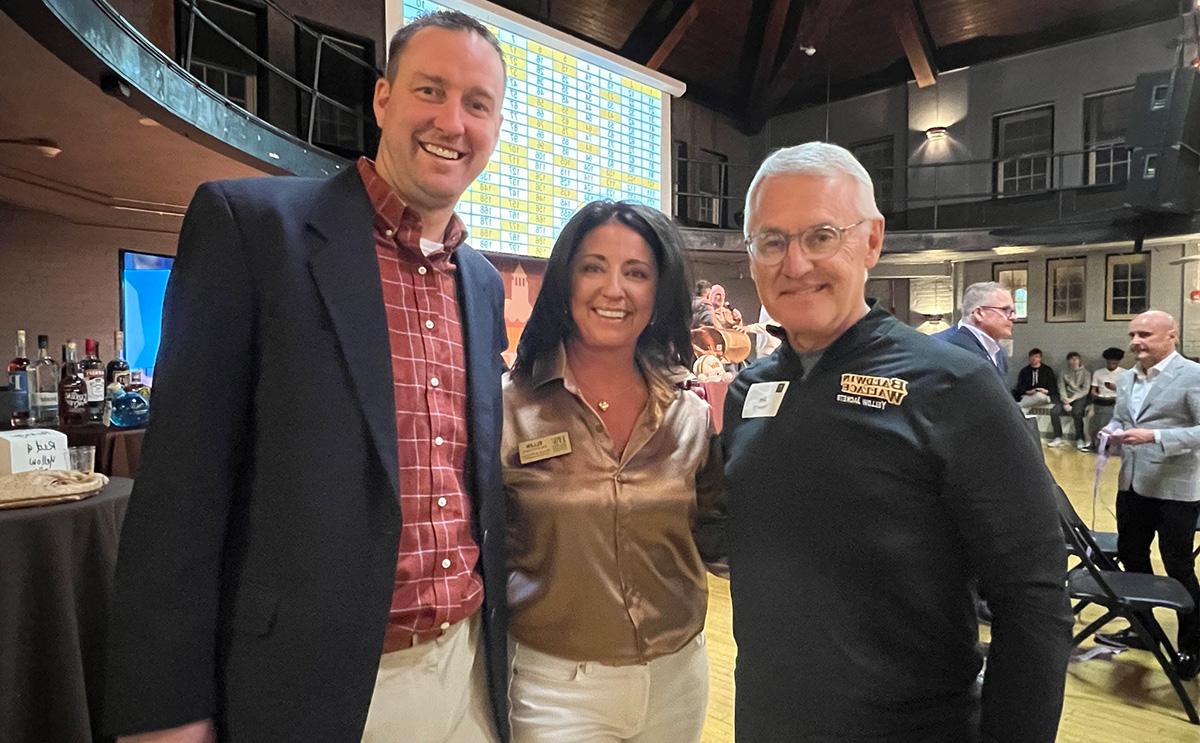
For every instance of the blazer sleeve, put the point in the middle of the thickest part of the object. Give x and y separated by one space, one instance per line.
1000 498
1187 438
711 502
163 634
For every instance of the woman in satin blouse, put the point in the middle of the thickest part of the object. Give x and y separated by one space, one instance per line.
613 477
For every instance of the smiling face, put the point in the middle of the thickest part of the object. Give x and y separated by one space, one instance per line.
439 117
814 300
614 281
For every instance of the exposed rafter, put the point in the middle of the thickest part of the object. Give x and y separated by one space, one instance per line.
660 29
814 26
914 36
772 34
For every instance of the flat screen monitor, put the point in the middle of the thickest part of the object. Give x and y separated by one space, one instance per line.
143 286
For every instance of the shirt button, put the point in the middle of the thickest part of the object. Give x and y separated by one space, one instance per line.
429 324
422 270
441 502
389 232
433 382
445 626
446 563
438 441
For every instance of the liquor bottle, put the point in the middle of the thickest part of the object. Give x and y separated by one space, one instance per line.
118 369
43 386
18 382
72 390
91 368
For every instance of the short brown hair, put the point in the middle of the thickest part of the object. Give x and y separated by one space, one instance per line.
451 20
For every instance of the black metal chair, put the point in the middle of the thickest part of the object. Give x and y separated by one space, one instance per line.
1132 596
1105 540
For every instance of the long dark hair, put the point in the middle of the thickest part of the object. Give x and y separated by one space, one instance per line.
666 339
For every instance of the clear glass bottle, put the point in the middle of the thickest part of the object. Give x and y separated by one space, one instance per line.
43 386
18 382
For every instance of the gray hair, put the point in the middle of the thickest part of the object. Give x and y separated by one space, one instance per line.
817 159
976 294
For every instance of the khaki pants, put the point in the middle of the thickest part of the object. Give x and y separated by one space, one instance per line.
554 700
434 692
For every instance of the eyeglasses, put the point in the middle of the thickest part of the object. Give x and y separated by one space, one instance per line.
819 241
1009 312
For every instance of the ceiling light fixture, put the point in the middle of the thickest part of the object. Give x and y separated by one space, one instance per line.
934 133
48 147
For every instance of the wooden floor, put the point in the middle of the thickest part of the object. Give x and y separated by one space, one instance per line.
1115 699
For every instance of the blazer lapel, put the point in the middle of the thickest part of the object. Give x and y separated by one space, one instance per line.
1164 380
346 271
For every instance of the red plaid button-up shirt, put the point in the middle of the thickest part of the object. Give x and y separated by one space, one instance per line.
436 583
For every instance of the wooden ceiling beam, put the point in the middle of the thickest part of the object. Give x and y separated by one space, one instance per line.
918 45
675 36
769 50
815 23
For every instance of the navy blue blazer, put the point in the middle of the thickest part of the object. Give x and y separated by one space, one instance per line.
965 339
259 550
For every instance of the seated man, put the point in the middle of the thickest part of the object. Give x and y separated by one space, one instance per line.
1104 389
1073 389
1036 385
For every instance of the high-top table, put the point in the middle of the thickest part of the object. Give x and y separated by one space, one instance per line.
56 576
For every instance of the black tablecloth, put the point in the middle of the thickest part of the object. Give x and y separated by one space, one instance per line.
56 573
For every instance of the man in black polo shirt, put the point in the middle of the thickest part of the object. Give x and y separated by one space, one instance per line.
865 497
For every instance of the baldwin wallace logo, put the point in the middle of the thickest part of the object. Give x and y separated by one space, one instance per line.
872 392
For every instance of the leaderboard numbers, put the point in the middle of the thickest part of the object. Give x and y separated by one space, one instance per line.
573 132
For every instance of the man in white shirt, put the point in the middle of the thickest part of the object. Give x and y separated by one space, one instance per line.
1156 423
1104 389
987 318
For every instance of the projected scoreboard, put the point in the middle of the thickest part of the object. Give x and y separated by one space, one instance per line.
575 130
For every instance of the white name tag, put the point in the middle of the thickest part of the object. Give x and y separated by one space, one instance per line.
763 399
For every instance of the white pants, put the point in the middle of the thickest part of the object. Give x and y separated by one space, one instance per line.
434 692
554 700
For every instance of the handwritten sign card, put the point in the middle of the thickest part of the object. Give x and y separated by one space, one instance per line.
35 449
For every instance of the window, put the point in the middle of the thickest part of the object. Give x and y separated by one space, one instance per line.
1024 143
878 158
1128 284
1066 289
347 75
1105 121
217 62
711 178
1015 278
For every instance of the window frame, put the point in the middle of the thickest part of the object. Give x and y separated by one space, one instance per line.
1091 148
998 268
998 179
890 141
349 42
1052 264
1110 261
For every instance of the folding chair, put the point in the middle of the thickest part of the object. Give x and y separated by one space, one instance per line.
1197 552
1106 540
1132 596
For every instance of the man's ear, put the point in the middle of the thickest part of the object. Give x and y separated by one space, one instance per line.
383 93
874 242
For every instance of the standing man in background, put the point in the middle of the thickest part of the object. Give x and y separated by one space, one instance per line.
987 318
1156 424
865 499
314 546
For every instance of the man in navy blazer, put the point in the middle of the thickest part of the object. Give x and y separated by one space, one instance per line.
260 571
987 318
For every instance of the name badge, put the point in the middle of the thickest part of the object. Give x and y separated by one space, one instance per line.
547 447
763 399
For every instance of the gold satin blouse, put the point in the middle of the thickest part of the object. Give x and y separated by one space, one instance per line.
606 554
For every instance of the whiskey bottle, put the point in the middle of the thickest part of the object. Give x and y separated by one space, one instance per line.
43 386
72 390
18 382
91 368
118 369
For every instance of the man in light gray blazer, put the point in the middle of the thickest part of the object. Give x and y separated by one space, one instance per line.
1156 422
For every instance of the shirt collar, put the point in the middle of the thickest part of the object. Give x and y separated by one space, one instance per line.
663 383
392 213
990 344
1155 370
